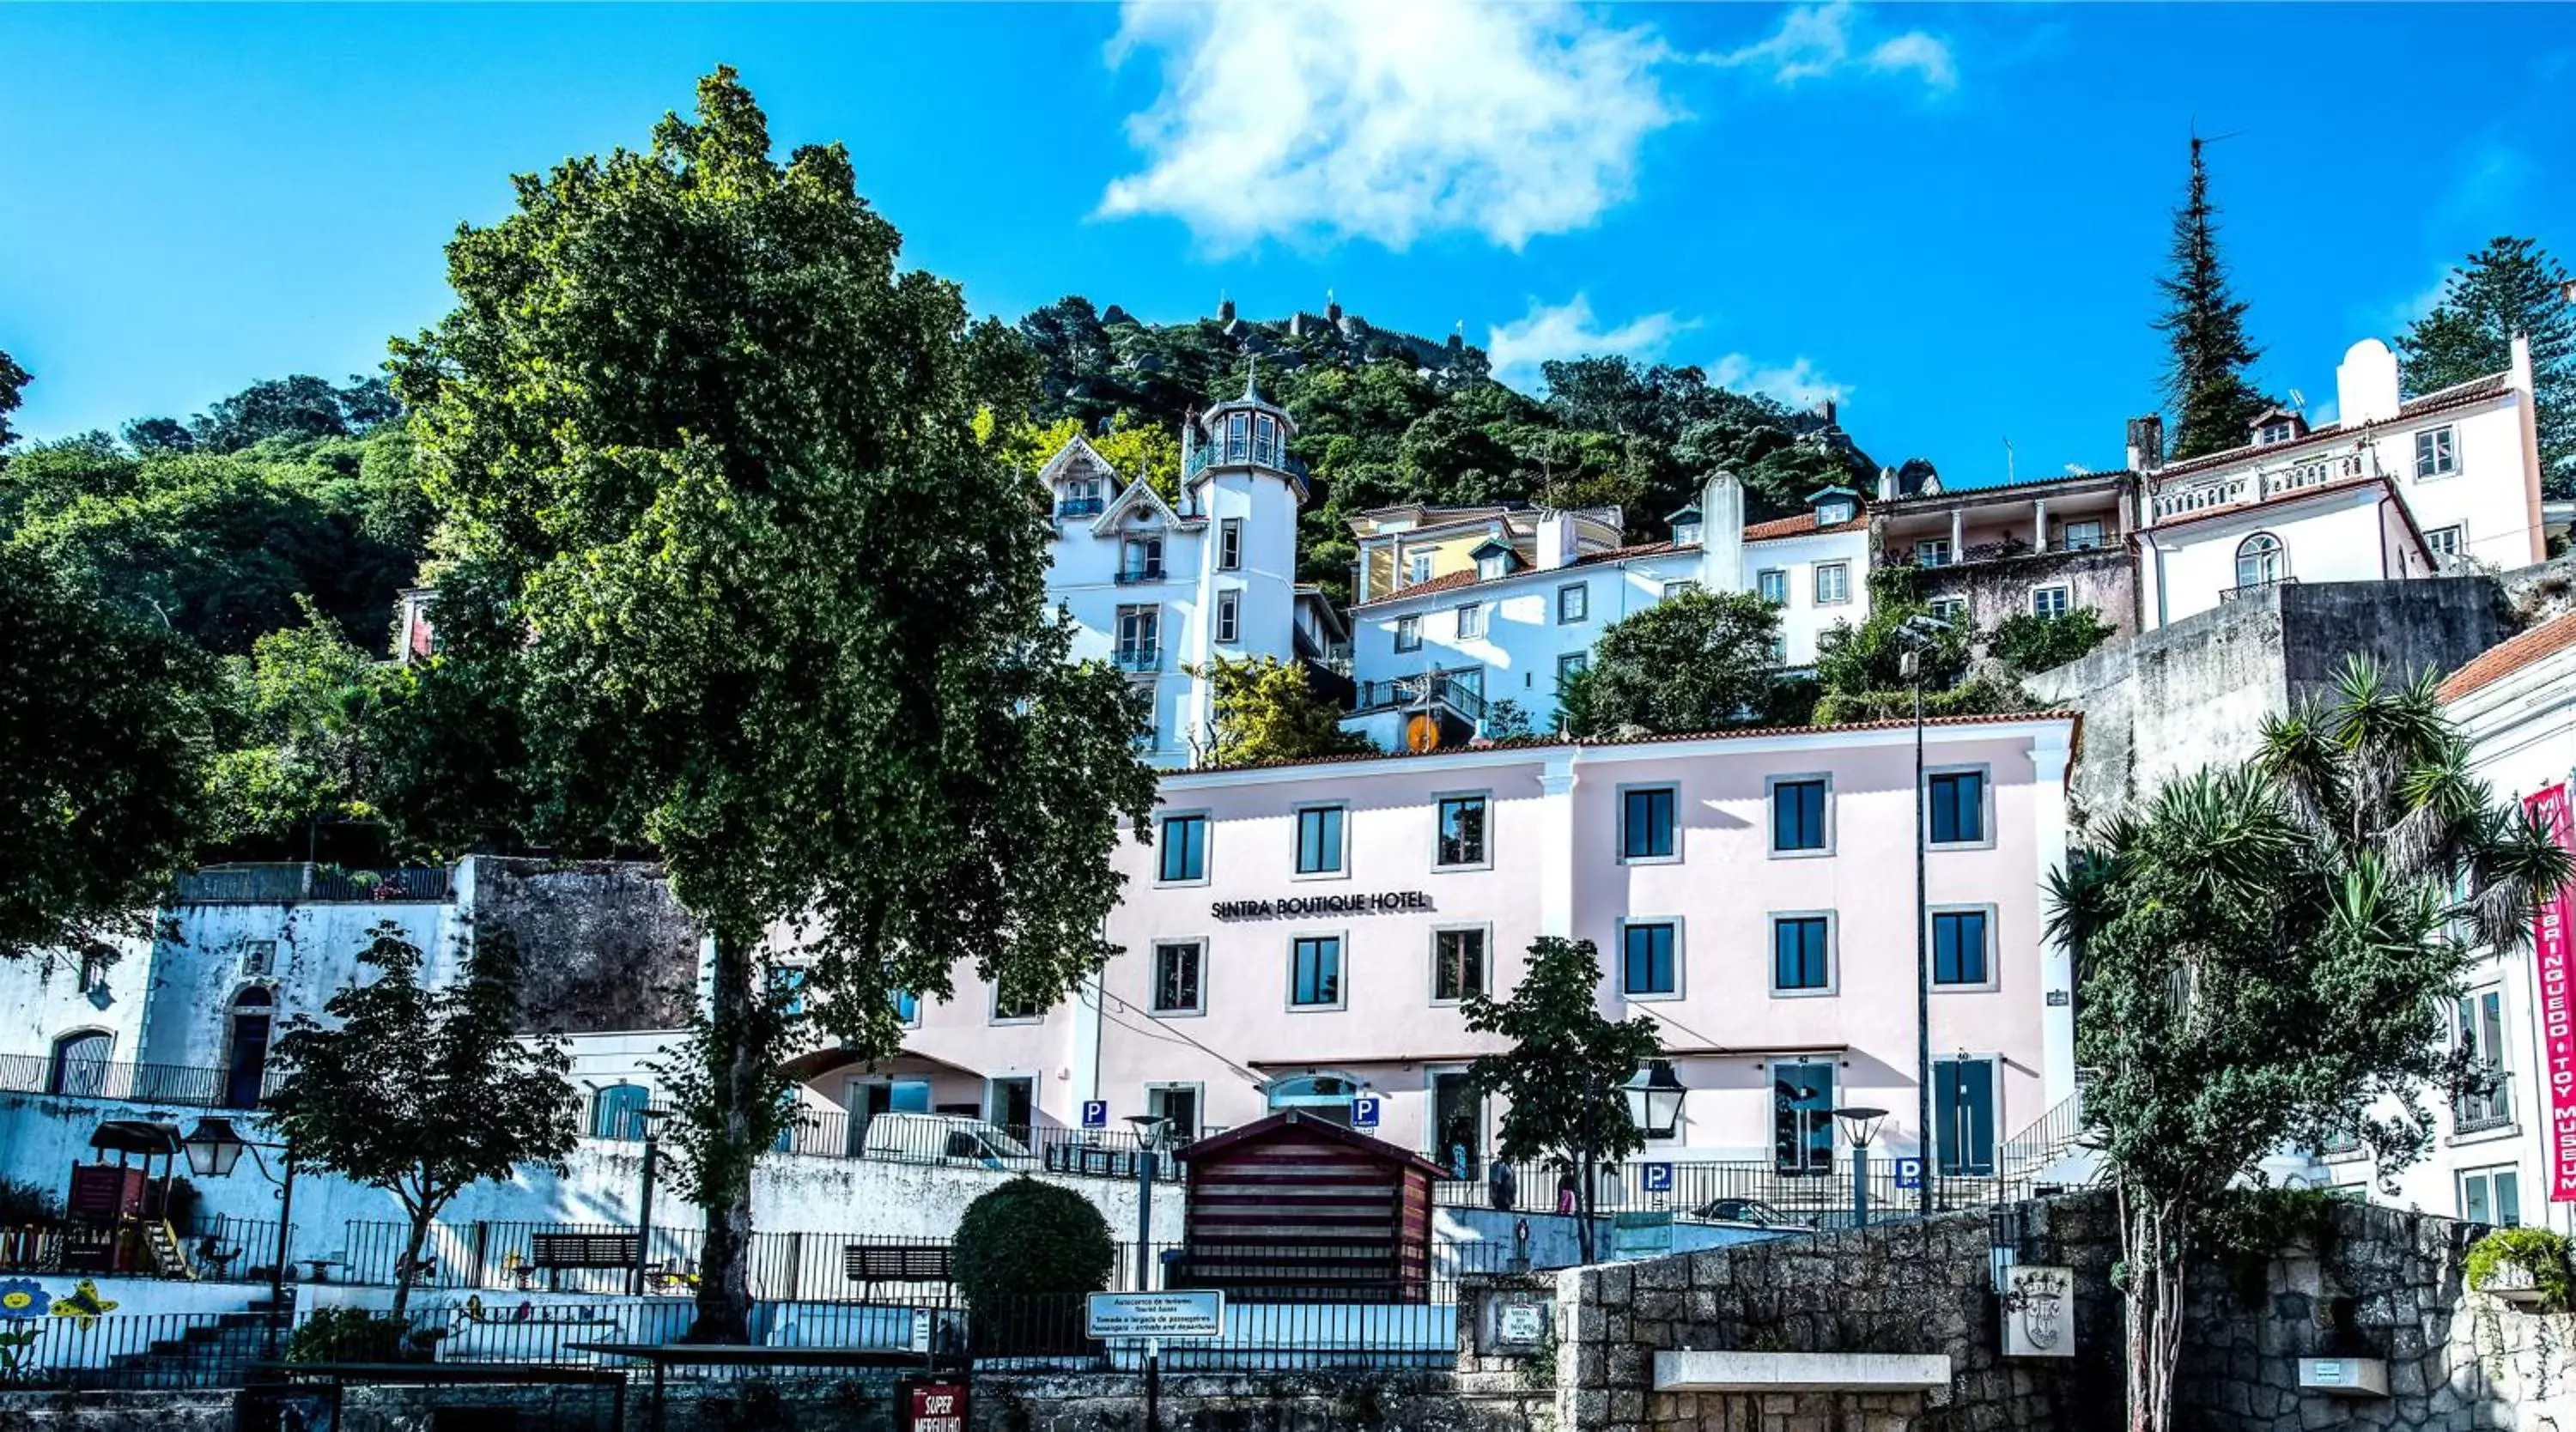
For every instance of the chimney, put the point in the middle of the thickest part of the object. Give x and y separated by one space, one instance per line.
2147 443
1887 484
2519 378
2366 384
1721 534
1556 539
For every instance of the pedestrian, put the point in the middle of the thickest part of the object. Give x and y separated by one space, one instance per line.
1501 1185
1565 1191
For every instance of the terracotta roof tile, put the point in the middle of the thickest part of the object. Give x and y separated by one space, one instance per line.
2509 656
1802 525
2458 395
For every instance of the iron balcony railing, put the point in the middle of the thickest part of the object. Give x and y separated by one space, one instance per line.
2255 589
2489 1106
1081 507
1238 451
180 1085
302 882
1139 658
2009 549
1418 692
1132 576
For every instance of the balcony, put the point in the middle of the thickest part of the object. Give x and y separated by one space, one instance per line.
304 883
1081 507
1430 689
2230 489
1238 452
1137 576
2010 549
2479 1109
1147 657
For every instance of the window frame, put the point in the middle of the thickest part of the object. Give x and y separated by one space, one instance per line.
2098 537
1993 947
1581 592
1229 544
1229 617
2486 1174
1676 587
1985 806
1947 609
1341 867
1197 1091
2065 598
993 1010
1417 562
2458 534
2442 457
1207 835
1408 632
2278 554
1439 803
1771 810
1154 1008
1833 512
1341 1000
1833 955
1671 788
1681 962
1842 570
1471 621
1932 552
1484 933
1570 662
1776 592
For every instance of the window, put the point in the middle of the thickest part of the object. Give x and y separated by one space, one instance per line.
1932 552
2260 560
1646 823
1229 545
1492 565
1777 650
2443 542
1177 1105
1462 832
1315 971
1688 528
1140 638
1417 568
1569 665
1471 621
1773 584
1801 955
2048 601
907 1007
1957 807
2484 1099
1798 815
259 957
1408 633
1948 609
1646 965
1011 1102
1319 840
791 982
2492 1196
1833 583
2435 455
617 1112
1833 511
1960 955
1229 617
79 1065
1457 965
1012 1007
1140 559
2278 431
1963 1116
1177 967
1185 842
1265 432
1675 589
2081 536
1457 1123
246 1067
1573 603
1802 1116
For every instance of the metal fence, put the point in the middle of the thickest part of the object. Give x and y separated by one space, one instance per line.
296 882
1731 1191
971 1143
168 1085
216 1248
139 1352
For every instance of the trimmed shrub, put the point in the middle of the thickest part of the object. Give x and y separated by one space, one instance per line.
1026 1253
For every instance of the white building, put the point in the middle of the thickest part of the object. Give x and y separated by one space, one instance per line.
1465 607
2490 1160
1159 588
2392 489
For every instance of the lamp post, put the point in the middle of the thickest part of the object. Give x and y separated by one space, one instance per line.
1917 633
1860 1126
1149 1138
651 1120
214 1146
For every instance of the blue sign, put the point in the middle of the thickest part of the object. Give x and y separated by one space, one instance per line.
1095 1113
1909 1173
1658 1178
1365 1110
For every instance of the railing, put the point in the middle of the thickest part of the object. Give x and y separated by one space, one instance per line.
2255 589
2007 550
1228 453
1081 507
2051 1135
1411 692
1098 1153
218 1249
2488 1107
1737 1191
1134 576
302 882
2204 494
181 1085
1139 658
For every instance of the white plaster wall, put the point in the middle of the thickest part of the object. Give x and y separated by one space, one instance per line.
42 999
2186 569
197 966
2487 498
1803 620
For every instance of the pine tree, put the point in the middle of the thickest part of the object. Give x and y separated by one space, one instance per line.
2510 286
2214 403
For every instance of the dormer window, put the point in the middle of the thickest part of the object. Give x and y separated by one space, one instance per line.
2276 431
1687 527
1079 497
1490 567
1833 510
1417 569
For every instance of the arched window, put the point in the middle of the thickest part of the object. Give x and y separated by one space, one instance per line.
1324 1095
79 1065
617 1112
2261 561
246 1069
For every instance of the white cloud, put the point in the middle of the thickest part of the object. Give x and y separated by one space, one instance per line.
1348 118
1816 40
1568 330
1799 384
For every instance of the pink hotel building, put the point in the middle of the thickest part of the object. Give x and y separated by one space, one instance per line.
1299 934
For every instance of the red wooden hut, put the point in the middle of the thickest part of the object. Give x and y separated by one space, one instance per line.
1297 1209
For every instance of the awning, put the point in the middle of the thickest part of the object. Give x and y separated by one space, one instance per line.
136 1136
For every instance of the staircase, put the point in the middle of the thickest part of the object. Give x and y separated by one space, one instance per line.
214 1351
2053 1144
169 1255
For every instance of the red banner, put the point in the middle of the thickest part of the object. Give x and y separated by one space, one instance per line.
2554 992
934 1407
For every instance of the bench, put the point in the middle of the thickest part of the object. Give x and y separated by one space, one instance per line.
548 1252
872 1263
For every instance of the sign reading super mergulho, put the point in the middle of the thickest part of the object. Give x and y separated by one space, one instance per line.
1385 902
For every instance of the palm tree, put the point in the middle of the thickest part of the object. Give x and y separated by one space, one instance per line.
2265 954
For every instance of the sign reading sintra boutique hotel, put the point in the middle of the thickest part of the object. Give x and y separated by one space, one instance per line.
1385 902
2555 993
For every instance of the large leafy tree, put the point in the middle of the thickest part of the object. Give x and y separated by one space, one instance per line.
423 1092
13 383
305 706
2206 384
730 547
1696 661
2510 286
2264 953
1564 1074
103 749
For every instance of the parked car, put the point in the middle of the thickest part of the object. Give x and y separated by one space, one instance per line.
951 1139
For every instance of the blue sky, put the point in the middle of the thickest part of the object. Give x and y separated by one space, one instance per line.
1950 216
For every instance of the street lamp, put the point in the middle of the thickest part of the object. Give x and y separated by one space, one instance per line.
1655 1097
1149 1138
1917 634
1860 1126
214 1147
650 1119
